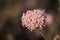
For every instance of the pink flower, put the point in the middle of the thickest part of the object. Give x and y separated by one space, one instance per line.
33 19
49 19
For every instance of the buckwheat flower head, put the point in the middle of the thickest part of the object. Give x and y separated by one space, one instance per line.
33 19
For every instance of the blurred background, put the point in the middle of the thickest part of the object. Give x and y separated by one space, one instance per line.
10 22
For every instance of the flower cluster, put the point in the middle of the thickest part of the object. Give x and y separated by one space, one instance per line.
33 19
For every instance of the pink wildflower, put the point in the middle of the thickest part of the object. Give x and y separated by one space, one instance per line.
33 19
49 19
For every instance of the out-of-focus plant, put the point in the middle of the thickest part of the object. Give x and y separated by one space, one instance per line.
57 37
59 6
